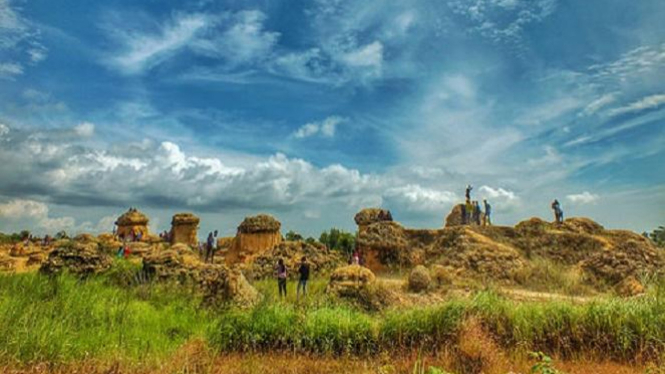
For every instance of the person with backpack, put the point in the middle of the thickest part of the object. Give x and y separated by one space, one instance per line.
281 277
304 277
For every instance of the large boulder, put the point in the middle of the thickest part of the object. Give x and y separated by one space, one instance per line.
348 280
259 223
77 258
131 222
419 279
455 217
218 283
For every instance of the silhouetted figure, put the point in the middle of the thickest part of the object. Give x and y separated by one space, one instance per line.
476 213
304 277
210 248
467 193
558 212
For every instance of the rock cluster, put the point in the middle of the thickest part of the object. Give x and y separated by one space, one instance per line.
218 283
348 280
76 258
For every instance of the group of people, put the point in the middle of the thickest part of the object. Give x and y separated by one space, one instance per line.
165 236
282 276
472 213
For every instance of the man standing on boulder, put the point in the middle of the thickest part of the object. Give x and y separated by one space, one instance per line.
304 277
467 193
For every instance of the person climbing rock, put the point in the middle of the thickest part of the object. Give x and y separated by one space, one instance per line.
281 277
488 213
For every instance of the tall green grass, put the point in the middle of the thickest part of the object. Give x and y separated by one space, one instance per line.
63 318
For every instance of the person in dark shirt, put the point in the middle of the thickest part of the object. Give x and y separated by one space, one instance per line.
304 277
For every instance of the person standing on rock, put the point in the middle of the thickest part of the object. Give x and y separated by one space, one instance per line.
467 193
476 213
558 213
488 212
304 277
281 277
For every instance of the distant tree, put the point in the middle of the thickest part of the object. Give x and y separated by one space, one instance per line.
293 236
310 240
658 236
339 240
24 234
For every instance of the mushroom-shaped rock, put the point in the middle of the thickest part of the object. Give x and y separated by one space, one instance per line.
184 229
348 280
368 216
132 224
256 235
259 223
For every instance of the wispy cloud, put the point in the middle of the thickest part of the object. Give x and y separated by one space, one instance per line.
20 44
648 102
325 128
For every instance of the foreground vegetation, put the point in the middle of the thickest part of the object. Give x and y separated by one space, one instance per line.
63 319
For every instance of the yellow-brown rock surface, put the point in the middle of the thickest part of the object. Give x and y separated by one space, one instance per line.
184 229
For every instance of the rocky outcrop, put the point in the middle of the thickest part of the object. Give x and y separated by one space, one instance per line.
368 216
76 258
218 283
184 229
256 235
132 223
455 217
319 258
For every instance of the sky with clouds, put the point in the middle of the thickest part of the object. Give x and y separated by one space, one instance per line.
311 110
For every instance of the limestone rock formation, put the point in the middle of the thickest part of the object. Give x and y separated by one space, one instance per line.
454 218
348 280
256 235
218 283
419 279
131 223
184 229
77 258
320 259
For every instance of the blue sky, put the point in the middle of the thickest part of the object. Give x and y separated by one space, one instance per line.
311 110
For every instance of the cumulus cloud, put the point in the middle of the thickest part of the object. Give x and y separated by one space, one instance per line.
583 198
414 197
34 214
325 128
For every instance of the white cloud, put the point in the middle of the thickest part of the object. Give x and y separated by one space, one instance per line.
9 70
498 193
325 128
416 198
583 198
649 102
85 129
34 214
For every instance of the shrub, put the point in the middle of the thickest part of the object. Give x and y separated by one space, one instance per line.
419 279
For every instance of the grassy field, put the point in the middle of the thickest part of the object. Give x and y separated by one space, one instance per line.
63 321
